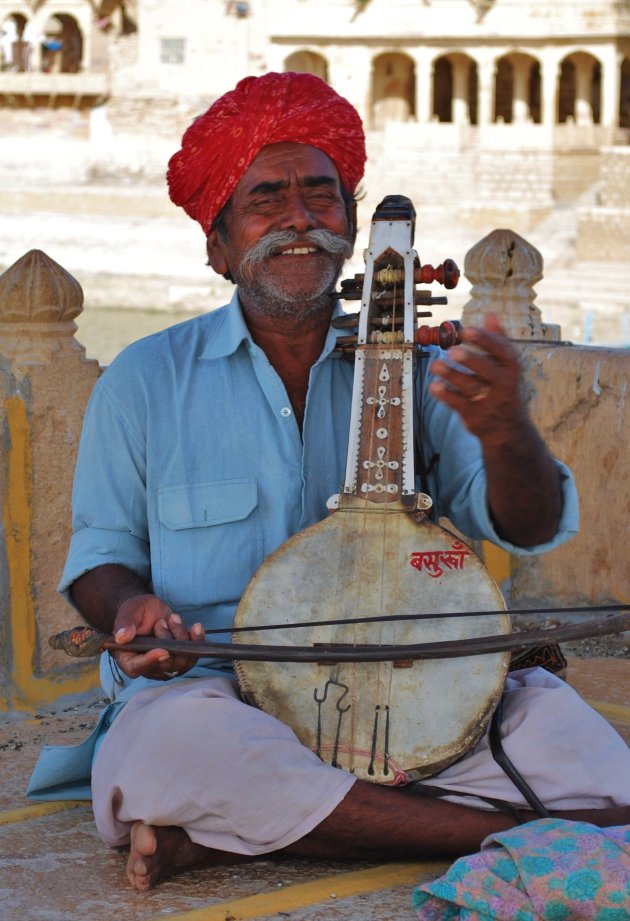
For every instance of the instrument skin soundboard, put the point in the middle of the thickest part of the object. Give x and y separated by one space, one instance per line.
379 554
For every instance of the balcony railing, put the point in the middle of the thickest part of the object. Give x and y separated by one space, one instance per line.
56 84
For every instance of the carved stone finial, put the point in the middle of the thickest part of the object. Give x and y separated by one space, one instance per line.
38 303
36 289
503 269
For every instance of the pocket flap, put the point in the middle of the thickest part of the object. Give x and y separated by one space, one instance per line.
198 505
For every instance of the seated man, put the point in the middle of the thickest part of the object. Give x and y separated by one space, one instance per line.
206 446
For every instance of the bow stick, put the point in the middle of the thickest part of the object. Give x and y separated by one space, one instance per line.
85 641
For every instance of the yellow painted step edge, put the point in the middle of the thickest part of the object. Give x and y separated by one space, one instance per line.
617 712
37 810
330 889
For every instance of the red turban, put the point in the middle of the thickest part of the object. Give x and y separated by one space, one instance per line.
220 145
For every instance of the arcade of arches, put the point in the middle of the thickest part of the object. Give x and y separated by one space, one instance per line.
512 88
53 40
55 45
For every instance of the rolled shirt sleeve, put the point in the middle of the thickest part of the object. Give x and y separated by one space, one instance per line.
109 520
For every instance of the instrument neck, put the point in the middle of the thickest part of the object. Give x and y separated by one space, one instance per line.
380 464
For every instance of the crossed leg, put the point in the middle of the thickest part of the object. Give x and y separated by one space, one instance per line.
370 823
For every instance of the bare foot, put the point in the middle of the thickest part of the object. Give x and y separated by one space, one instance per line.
157 851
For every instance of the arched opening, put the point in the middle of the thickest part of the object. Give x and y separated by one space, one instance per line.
517 89
566 92
393 89
624 94
579 90
503 91
118 16
443 90
596 92
62 45
307 62
455 89
14 44
473 92
535 92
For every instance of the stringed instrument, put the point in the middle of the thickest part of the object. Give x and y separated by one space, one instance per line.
376 634
378 554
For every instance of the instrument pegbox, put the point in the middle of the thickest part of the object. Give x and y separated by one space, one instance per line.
446 274
387 277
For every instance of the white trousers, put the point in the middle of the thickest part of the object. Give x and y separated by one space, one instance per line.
192 754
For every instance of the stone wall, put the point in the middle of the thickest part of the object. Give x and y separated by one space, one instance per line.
45 382
604 230
578 396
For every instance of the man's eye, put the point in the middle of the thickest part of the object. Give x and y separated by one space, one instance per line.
266 200
322 195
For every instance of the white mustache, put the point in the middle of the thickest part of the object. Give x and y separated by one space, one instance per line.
272 242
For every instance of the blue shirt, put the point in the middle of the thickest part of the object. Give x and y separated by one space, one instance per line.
192 469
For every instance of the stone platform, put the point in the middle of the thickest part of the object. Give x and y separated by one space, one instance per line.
53 866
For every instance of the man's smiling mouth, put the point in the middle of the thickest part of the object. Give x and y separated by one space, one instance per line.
299 251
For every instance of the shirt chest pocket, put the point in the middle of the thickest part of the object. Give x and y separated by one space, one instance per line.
210 542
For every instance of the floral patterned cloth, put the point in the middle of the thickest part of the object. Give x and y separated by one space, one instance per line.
547 870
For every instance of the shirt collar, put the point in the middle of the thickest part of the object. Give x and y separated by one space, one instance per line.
233 330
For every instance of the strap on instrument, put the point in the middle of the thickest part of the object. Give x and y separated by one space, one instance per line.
508 767
435 792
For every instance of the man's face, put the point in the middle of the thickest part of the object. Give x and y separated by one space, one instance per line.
289 191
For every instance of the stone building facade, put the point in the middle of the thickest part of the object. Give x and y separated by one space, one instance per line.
465 63
499 105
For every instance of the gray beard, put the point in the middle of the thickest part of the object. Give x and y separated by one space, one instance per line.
261 289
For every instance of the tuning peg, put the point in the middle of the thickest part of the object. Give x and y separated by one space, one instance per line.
445 335
446 274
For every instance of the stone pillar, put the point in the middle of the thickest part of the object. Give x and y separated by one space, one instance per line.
486 92
34 29
549 92
461 108
583 84
611 88
45 381
424 85
520 100
87 34
503 268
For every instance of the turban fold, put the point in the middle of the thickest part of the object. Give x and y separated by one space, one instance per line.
220 145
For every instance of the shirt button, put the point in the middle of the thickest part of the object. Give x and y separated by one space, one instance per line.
285 411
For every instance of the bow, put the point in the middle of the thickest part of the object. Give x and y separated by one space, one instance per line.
82 642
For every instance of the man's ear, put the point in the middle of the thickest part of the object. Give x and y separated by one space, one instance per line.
216 252
353 223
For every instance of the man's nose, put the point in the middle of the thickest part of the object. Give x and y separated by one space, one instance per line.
297 215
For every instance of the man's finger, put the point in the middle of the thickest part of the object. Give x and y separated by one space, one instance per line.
135 665
125 632
494 343
177 628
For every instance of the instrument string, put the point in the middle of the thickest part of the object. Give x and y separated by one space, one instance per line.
387 359
549 612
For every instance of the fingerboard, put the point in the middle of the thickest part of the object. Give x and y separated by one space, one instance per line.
380 464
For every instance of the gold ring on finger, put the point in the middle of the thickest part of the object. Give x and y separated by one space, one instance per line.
480 395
